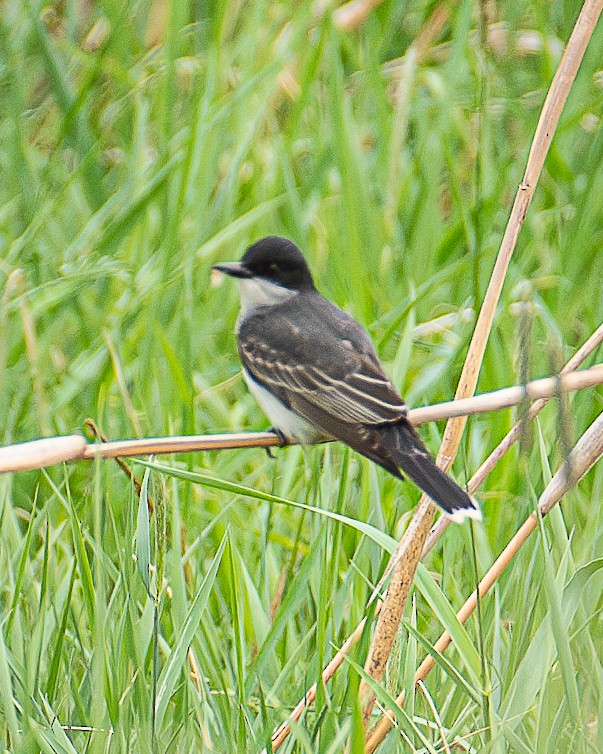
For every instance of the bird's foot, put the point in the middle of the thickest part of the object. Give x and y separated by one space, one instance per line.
281 437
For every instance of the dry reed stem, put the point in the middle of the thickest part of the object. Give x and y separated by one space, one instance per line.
282 732
411 546
350 16
576 360
95 432
432 29
512 436
542 389
406 560
38 453
587 451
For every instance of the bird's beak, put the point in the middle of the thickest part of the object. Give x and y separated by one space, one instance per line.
234 269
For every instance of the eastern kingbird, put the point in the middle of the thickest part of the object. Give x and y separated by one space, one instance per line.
315 373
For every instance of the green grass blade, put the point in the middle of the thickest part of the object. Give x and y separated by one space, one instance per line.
143 534
173 667
6 693
83 562
383 540
447 617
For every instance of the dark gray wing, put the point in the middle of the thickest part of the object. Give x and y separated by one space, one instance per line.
319 362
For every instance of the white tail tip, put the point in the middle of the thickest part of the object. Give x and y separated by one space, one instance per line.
462 513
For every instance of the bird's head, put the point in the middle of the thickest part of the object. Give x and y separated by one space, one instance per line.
272 260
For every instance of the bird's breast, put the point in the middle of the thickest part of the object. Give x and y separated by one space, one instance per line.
293 426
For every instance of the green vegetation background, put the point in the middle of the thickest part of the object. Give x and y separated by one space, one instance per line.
127 170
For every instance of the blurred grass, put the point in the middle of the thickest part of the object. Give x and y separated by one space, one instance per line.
127 171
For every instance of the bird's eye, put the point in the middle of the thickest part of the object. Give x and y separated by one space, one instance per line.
274 266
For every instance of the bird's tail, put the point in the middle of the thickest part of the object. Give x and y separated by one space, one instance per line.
409 454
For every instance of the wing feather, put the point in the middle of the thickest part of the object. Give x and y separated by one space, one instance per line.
354 390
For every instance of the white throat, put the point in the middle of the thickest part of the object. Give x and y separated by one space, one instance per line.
261 292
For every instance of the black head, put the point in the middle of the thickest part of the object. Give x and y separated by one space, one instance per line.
275 259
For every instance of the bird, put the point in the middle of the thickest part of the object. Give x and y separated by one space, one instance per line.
315 372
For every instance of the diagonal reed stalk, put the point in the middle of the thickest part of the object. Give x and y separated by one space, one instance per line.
587 451
513 435
408 553
282 732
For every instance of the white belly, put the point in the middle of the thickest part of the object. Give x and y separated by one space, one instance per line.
293 426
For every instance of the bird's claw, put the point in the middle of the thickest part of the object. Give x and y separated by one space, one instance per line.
281 437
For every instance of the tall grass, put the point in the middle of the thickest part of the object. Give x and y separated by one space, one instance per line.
127 171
